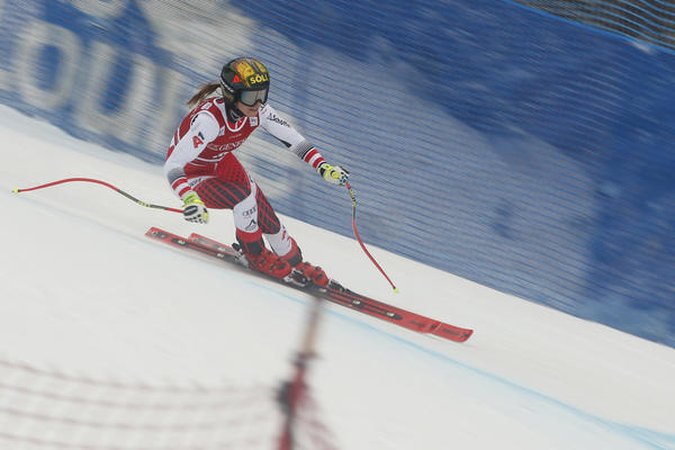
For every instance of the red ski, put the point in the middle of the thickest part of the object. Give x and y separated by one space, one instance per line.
334 292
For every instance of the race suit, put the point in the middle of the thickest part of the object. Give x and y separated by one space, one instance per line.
200 158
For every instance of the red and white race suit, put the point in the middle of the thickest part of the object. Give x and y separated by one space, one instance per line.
200 159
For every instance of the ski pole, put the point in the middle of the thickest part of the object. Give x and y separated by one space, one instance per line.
358 237
103 183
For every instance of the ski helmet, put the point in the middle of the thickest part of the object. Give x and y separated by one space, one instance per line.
246 80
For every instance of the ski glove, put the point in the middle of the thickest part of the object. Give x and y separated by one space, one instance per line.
194 209
333 174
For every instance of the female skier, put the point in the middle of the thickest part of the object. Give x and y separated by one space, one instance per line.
204 173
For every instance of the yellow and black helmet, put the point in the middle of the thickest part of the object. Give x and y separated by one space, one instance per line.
246 80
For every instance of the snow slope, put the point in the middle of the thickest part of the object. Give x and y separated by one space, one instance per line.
85 292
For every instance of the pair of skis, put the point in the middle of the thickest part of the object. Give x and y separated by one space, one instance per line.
334 292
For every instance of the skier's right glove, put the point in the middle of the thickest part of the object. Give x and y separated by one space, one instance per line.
333 174
194 209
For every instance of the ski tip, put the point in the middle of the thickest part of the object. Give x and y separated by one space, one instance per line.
16 190
395 290
456 334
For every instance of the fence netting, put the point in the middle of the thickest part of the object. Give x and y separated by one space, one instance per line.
648 20
496 141
50 409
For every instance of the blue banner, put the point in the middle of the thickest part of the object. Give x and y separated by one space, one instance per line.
526 152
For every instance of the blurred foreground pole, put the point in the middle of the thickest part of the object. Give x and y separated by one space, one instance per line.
294 391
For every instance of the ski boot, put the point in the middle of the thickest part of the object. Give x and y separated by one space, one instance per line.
303 272
264 261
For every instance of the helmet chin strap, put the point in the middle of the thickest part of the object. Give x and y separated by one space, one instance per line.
233 113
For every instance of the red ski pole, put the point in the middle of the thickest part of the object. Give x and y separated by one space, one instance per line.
358 238
103 183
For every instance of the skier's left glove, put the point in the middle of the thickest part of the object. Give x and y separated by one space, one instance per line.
194 209
333 174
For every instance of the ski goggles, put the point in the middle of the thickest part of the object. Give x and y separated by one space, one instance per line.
250 98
